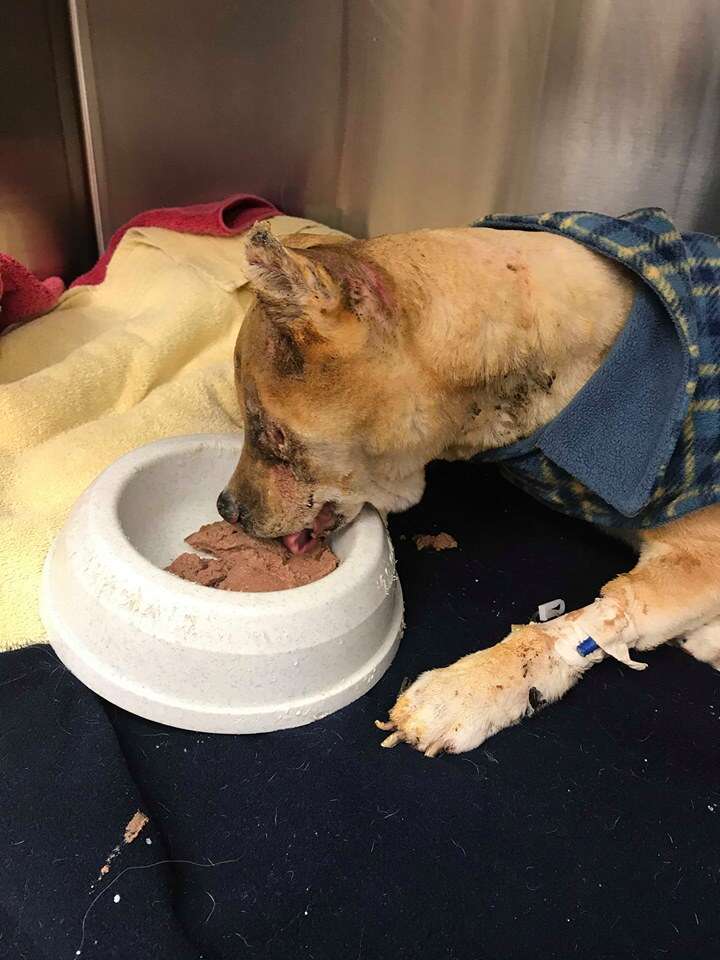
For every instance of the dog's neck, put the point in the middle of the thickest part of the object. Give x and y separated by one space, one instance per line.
504 327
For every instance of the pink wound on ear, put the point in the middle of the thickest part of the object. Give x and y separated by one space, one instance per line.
378 287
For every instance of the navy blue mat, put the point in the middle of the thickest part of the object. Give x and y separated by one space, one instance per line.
592 830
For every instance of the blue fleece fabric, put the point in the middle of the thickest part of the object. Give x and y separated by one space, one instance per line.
640 444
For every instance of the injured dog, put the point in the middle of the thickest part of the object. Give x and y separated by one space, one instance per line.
576 349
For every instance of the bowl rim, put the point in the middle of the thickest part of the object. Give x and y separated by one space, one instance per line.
367 534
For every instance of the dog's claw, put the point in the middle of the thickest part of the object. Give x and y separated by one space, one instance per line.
384 724
392 741
434 749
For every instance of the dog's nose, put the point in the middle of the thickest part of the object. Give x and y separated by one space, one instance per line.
228 507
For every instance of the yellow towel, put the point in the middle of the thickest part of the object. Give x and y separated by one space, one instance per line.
146 354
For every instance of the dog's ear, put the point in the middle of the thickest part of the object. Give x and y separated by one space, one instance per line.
283 279
320 300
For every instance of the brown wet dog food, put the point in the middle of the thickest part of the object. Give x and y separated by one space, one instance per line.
240 562
438 541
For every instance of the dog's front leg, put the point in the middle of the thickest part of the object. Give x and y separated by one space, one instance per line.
457 707
672 592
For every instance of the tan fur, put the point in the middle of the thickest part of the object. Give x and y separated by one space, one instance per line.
368 359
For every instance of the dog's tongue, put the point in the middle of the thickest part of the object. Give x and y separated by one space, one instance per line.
305 540
300 542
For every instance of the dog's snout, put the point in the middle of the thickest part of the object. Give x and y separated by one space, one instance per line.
228 507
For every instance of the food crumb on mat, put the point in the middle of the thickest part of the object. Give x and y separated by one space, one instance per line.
135 825
435 541
240 562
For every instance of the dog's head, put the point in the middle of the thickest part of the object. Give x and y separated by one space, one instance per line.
330 412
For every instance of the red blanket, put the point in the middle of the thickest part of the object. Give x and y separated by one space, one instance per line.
223 218
23 295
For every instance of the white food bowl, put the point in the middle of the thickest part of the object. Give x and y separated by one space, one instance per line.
191 656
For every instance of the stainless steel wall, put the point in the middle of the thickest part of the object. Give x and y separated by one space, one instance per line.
379 115
44 209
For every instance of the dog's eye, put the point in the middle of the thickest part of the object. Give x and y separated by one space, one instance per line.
277 436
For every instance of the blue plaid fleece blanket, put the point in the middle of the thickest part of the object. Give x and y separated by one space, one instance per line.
639 445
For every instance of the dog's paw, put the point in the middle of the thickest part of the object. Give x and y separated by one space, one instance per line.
456 708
